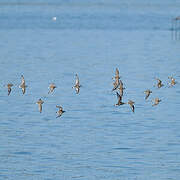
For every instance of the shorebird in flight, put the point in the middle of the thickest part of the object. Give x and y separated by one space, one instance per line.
77 84
23 84
131 103
9 86
173 81
156 101
40 102
159 83
52 86
147 92
60 111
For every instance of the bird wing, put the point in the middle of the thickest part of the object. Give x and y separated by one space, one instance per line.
22 80
77 80
147 94
51 88
77 90
159 81
40 108
121 84
116 84
117 72
23 90
60 107
132 108
119 98
59 115
9 91
131 102
121 92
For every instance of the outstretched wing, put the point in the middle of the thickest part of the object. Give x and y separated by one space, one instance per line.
77 90
22 79
132 108
9 91
51 88
77 80
117 72
131 102
121 92
159 81
23 90
40 108
121 84
116 84
119 98
147 94
60 107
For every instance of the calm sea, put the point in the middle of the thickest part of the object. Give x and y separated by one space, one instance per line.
93 139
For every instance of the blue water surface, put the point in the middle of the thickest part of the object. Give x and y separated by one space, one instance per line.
93 139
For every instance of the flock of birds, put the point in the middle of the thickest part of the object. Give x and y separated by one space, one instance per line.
52 86
117 85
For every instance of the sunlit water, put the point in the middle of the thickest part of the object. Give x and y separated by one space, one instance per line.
93 139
